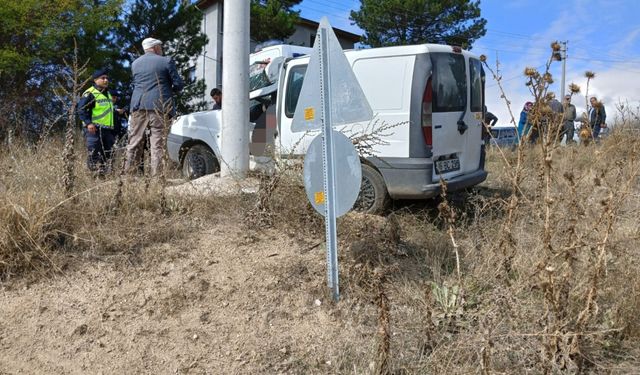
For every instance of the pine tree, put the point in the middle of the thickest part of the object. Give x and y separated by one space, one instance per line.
178 25
273 19
36 37
401 22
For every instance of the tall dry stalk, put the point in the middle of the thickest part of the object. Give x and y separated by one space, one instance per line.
448 214
556 271
507 242
117 199
166 127
586 129
71 87
383 366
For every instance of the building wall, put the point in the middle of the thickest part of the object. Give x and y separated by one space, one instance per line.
209 63
305 36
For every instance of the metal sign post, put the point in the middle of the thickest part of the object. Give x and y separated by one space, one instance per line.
341 102
329 171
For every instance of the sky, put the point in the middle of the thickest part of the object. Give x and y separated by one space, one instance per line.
603 36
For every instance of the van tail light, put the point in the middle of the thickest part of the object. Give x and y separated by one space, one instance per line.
427 120
428 135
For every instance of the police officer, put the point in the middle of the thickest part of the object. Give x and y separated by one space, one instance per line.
96 113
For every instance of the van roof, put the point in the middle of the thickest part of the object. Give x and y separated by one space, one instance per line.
413 49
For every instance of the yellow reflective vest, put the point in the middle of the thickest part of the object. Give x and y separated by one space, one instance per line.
102 114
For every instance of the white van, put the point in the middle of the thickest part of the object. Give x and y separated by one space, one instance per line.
432 95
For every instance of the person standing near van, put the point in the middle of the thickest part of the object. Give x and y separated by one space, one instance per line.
550 123
96 114
524 127
490 120
120 115
597 117
155 82
216 96
569 117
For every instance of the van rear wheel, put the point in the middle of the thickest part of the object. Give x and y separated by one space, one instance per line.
373 197
199 161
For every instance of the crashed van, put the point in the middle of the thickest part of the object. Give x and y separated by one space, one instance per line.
427 98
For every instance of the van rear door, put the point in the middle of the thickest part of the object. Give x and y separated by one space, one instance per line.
456 132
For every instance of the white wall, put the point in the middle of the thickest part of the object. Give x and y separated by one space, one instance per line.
208 64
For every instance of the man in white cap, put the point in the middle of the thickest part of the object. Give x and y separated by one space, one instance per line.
155 82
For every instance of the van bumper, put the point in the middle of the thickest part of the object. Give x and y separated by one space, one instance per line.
412 180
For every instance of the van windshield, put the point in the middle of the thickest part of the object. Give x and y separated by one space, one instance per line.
449 83
257 77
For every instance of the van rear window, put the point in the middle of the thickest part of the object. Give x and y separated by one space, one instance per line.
476 77
449 83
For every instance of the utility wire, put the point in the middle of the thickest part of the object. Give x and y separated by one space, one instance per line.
521 75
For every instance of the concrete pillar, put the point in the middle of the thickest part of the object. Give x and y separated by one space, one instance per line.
235 89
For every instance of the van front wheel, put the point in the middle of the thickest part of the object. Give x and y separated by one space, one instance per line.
373 195
199 161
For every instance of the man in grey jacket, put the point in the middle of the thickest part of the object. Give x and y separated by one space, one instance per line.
568 119
155 82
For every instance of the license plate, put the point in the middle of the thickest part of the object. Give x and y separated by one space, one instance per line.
448 165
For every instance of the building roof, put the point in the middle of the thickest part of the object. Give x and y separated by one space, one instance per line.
204 4
355 38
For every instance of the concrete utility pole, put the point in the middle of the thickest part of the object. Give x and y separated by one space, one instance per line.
563 51
235 89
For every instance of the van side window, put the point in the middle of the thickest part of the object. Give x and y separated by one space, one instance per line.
475 70
294 86
450 82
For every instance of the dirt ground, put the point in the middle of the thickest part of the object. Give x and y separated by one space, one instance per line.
224 302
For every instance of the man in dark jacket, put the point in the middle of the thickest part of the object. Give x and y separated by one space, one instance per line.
95 109
490 120
597 117
155 81
120 115
216 96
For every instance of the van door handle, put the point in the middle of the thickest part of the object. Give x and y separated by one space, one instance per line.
438 126
462 127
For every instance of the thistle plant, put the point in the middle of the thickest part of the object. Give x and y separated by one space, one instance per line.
71 86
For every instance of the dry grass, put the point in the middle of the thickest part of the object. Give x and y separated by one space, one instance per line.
430 320
41 220
571 310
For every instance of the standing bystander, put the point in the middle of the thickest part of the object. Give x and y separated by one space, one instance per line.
155 81
96 113
597 117
120 115
568 127
553 122
490 120
216 95
524 126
